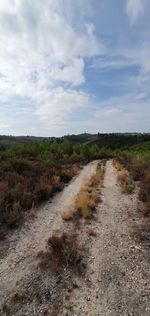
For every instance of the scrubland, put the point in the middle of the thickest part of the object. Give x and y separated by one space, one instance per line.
31 174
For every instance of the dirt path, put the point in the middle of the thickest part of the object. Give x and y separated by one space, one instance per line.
20 260
117 278
116 282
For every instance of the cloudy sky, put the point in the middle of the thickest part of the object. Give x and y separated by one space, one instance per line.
69 66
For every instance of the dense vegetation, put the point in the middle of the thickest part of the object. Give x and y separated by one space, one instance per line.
112 140
34 169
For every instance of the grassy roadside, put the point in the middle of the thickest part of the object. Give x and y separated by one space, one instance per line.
124 178
138 167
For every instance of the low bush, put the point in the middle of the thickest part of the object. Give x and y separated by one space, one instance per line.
24 183
62 251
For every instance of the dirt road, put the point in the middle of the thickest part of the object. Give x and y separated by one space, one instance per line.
117 279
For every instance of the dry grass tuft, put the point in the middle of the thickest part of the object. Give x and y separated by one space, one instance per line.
94 197
82 204
87 199
91 232
124 178
95 180
32 212
63 251
144 193
18 297
56 183
47 261
117 165
68 215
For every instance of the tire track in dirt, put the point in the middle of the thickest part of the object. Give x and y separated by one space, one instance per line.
116 282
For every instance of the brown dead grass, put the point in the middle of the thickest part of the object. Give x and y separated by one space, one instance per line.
125 180
87 199
139 170
68 215
62 251
82 204
95 180
24 183
144 193
47 261
117 165
94 197
91 232
32 212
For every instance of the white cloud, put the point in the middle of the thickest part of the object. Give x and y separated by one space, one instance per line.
4 127
58 107
44 49
40 51
117 60
72 73
36 37
134 8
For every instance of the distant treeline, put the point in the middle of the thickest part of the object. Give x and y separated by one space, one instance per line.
121 140
111 140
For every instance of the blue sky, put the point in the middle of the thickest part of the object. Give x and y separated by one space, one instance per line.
72 66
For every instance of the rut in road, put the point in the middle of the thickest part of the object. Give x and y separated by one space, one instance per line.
116 281
20 261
